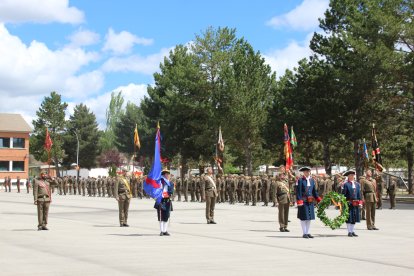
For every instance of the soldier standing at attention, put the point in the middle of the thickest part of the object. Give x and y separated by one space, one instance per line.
380 187
240 184
218 184
211 195
223 188
178 186
197 187
18 184
82 183
103 186
99 185
123 195
42 198
254 189
391 191
247 190
369 196
306 195
184 188
109 186
28 185
9 183
265 190
283 200
273 187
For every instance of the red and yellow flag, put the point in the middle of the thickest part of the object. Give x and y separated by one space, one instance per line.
48 141
136 138
288 150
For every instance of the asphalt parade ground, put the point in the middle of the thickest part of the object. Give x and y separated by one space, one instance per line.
85 239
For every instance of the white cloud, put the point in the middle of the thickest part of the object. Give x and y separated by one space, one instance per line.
131 92
288 57
39 11
303 17
136 63
123 42
34 69
83 38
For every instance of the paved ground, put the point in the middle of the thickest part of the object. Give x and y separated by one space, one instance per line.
85 239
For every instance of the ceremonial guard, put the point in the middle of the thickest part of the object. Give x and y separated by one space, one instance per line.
306 195
352 192
123 195
369 196
283 200
211 195
165 207
42 198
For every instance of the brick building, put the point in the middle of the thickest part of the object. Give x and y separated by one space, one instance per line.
14 148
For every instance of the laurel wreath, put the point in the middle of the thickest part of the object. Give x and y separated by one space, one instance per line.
338 200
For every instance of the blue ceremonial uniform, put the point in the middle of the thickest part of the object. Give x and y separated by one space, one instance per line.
353 196
165 207
308 195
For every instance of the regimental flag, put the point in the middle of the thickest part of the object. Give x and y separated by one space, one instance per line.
48 141
220 142
219 152
152 184
288 150
136 138
365 155
293 140
376 153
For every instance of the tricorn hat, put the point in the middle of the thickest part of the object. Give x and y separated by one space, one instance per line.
165 171
348 172
304 169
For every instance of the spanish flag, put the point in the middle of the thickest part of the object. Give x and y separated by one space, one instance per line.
136 138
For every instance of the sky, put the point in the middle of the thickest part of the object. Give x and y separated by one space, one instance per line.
84 50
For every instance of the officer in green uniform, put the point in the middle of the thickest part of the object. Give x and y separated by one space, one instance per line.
283 200
369 196
123 195
42 197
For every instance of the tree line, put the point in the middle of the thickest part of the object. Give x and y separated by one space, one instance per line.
360 72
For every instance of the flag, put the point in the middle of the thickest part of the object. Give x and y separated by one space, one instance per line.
152 184
376 153
48 142
293 140
287 150
220 142
365 156
136 138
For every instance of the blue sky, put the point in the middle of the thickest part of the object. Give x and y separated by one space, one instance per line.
86 49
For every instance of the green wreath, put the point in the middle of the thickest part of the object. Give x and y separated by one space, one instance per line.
337 200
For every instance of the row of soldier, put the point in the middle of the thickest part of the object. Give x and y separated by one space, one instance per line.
231 188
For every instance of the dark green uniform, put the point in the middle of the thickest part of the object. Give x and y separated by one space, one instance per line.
123 195
42 195
283 199
368 190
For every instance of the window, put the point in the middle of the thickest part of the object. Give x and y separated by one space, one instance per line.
18 143
4 142
4 166
18 166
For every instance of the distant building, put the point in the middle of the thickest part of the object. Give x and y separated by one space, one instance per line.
14 147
